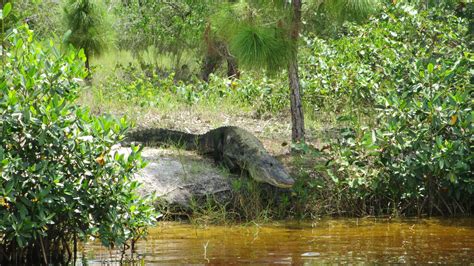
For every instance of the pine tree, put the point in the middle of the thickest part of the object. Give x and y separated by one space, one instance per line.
89 26
265 34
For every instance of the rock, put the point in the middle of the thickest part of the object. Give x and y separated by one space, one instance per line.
177 177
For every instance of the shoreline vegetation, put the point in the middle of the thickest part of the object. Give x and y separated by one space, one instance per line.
387 103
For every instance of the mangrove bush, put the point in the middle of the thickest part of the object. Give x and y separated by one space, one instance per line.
410 72
61 180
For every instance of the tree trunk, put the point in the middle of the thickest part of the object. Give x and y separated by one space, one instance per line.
216 52
209 66
213 59
297 117
88 78
87 64
232 66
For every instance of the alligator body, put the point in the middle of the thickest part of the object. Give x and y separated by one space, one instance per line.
234 147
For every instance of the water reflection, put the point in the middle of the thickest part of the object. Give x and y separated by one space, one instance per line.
325 241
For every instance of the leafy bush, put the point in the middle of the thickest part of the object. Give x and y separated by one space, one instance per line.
173 28
378 56
60 179
415 157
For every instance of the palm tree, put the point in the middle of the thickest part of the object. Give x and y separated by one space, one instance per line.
89 27
266 34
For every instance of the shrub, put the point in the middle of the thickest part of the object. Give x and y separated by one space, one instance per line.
380 56
416 156
60 180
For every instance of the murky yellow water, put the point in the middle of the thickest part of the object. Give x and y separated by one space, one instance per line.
326 241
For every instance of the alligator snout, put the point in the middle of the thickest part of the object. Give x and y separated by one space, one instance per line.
286 183
272 172
281 179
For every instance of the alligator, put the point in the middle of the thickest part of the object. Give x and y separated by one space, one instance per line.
234 147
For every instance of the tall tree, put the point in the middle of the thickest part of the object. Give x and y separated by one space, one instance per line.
266 33
89 26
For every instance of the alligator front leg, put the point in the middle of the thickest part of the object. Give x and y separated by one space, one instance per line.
230 163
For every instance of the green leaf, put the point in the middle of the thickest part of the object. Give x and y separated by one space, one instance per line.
430 68
9 187
66 36
20 241
6 9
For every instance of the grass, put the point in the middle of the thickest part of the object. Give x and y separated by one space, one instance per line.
210 211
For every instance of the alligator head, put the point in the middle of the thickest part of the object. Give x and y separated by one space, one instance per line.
268 170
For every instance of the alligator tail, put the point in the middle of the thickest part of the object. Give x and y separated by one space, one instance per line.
160 136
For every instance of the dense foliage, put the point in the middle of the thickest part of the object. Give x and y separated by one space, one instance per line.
129 84
407 73
61 180
44 17
161 27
